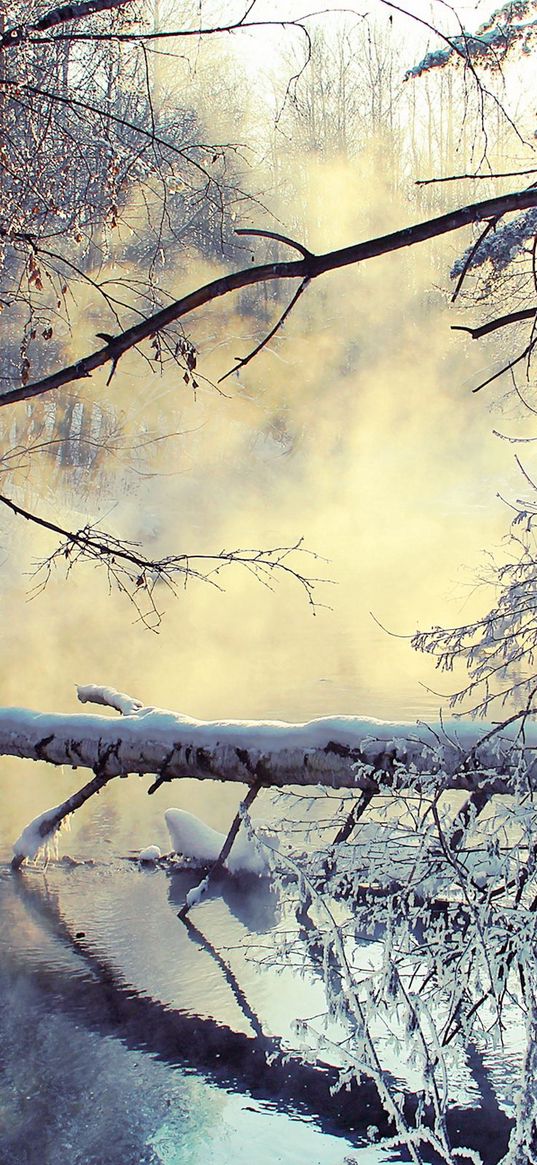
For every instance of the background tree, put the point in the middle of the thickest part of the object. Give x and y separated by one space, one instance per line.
106 173
456 911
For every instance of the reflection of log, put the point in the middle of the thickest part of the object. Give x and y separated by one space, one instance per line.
230 1059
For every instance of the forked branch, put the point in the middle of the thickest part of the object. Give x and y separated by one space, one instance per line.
307 268
139 577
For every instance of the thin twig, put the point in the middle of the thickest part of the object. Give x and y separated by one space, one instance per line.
218 865
278 238
471 254
506 367
266 339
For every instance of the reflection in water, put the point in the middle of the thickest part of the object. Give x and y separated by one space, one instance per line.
251 900
135 1004
44 962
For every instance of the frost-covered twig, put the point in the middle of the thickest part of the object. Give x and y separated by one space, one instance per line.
500 648
422 973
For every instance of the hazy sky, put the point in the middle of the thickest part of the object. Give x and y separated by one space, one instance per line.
263 48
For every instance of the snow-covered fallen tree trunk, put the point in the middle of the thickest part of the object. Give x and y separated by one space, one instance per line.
340 752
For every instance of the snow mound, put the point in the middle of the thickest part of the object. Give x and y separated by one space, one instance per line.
197 841
151 853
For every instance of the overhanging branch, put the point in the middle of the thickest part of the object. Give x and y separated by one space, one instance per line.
513 317
307 268
139 577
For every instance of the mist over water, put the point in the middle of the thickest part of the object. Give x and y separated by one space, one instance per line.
354 433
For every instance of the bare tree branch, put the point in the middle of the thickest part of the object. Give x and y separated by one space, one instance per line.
473 177
266 339
309 267
472 252
507 367
138 576
243 24
277 237
513 317
72 102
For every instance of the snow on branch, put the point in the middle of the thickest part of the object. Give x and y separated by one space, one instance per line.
500 247
339 752
510 25
347 752
109 697
65 13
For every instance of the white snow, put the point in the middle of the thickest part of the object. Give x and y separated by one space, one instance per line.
151 740
97 694
155 726
197 841
196 893
151 853
31 841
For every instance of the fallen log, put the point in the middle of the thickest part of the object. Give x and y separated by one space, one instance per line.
339 752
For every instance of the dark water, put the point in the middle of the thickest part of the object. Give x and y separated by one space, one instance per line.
128 1038
124 1041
